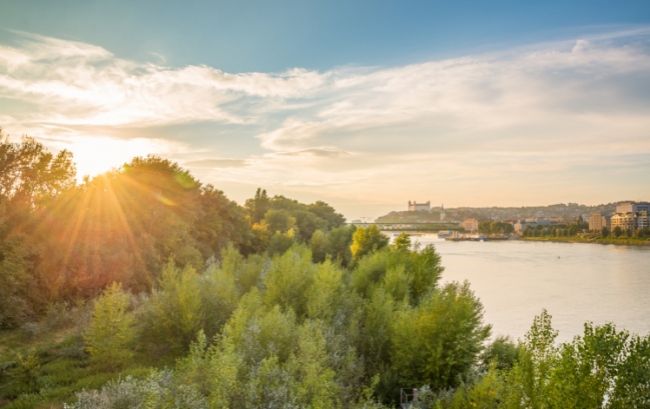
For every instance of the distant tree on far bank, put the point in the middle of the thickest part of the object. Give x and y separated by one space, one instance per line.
493 227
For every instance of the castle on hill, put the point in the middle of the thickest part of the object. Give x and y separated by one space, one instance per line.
414 206
419 207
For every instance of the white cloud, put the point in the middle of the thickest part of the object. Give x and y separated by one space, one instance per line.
518 119
82 84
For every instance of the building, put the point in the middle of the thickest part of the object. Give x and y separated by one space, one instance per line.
470 225
631 216
626 207
632 207
596 222
419 207
626 221
521 225
643 219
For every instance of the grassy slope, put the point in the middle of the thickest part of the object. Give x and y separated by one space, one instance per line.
43 369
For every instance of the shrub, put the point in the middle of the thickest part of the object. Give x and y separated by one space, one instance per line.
110 333
159 390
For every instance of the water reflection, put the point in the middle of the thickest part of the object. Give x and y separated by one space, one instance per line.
574 282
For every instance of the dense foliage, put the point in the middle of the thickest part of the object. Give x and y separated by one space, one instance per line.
143 288
602 368
62 241
302 334
495 228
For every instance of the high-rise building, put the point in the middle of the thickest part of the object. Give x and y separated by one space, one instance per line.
643 219
631 215
626 221
632 207
626 207
596 222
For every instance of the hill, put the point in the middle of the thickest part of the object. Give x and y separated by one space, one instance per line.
561 211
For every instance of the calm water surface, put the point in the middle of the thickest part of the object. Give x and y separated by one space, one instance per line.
574 282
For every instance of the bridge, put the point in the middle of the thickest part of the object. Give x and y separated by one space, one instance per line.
411 226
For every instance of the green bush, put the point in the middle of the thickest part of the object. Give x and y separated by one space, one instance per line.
110 335
159 390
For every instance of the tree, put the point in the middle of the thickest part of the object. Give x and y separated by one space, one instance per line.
502 353
319 244
315 384
601 368
219 294
15 277
307 223
618 232
31 177
586 369
123 226
258 206
367 240
390 268
438 342
279 220
175 312
327 213
220 222
402 242
632 387
289 278
246 271
280 242
339 240
529 379
30 174
377 325
325 295
486 393
110 335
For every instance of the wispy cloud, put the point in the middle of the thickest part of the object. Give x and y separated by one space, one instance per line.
81 84
216 163
521 120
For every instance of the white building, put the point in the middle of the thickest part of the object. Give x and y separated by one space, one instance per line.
419 207
631 215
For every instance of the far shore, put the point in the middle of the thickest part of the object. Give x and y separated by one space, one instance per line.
620 241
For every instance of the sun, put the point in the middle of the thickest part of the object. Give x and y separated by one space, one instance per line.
95 155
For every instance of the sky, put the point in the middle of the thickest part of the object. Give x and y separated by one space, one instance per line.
363 104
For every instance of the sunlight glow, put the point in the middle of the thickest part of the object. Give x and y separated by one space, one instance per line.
93 156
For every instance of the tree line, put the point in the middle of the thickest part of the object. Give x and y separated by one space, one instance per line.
60 240
170 295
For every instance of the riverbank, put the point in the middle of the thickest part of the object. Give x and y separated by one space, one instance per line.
621 241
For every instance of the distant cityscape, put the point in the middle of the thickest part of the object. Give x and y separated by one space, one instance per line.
626 217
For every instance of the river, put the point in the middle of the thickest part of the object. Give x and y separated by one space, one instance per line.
574 282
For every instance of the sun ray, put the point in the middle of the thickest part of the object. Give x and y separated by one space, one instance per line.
117 207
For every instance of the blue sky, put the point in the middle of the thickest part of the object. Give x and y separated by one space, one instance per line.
362 104
238 35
